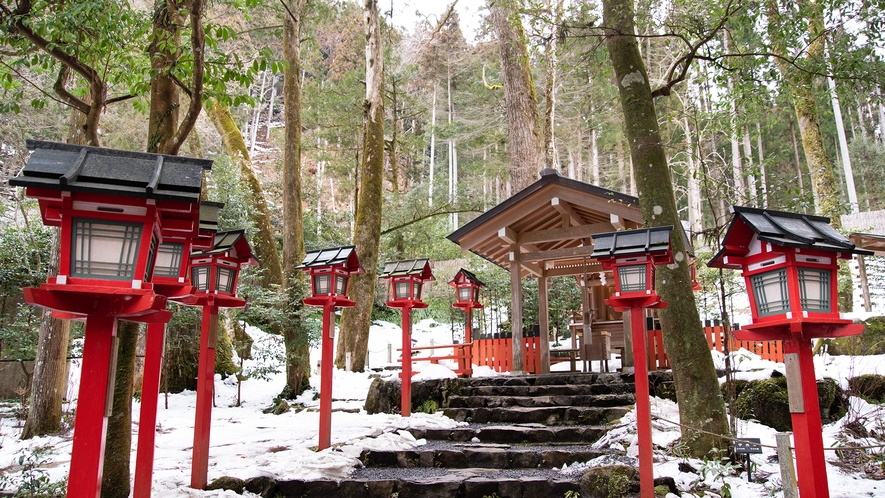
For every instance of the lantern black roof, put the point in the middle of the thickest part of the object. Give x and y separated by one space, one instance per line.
630 242
468 275
78 168
233 242
209 215
335 256
420 267
781 229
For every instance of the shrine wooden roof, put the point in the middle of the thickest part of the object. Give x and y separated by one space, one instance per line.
869 241
552 222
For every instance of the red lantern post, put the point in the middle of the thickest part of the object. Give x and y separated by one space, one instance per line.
790 262
329 271
467 299
631 256
214 274
171 278
112 207
407 280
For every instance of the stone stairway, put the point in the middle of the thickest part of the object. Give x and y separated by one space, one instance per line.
520 429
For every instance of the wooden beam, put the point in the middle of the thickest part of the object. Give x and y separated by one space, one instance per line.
616 221
508 235
552 255
602 205
530 267
571 270
570 233
567 212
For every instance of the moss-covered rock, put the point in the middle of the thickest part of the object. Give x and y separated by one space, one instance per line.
281 408
738 384
227 483
384 396
870 387
615 481
766 401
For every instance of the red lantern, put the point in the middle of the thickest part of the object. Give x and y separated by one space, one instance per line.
214 275
466 290
789 263
406 283
113 208
329 271
632 255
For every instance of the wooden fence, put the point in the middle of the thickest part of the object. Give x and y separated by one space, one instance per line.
497 353
716 340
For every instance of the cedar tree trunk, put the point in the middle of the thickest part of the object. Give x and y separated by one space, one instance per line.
801 87
355 321
49 381
115 481
523 122
297 347
697 388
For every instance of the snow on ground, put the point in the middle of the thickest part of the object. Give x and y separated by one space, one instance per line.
246 442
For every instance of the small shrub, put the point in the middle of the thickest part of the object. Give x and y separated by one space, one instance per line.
870 387
428 407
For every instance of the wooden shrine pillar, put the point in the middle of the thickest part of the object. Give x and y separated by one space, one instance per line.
544 324
516 310
864 283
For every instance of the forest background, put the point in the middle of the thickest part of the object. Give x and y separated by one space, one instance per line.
732 83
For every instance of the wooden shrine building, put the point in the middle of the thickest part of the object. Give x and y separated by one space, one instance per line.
544 231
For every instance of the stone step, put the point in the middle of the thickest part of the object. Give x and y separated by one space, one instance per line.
599 400
547 390
458 483
464 456
551 379
552 415
516 434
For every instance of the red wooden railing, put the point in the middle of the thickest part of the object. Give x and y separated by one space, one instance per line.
461 353
497 354
716 339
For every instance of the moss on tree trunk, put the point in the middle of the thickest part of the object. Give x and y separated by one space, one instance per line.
297 346
355 321
521 103
115 479
697 388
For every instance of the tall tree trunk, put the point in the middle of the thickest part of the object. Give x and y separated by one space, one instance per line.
49 379
296 337
115 480
521 103
763 173
801 87
164 53
751 175
843 145
697 388
355 321
550 88
432 147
